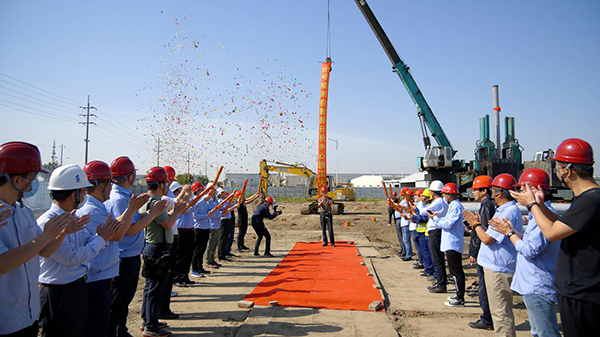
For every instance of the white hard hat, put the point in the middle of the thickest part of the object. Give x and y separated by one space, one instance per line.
68 177
174 186
220 190
436 186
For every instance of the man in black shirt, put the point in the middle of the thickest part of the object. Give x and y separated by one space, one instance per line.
578 266
242 219
482 189
260 213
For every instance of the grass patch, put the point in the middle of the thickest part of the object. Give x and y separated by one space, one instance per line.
369 199
299 200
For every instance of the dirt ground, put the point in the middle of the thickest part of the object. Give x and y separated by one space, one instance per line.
210 307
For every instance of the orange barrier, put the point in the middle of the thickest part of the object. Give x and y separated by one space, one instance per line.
319 277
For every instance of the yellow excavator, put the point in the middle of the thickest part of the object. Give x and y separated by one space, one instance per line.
341 192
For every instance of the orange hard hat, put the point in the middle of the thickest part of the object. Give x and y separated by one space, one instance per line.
419 192
536 177
238 193
269 199
505 181
410 193
574 150
482 182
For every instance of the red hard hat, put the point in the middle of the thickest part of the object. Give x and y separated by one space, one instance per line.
121 166
238 193
97 170
575 150
20 157
450 188
419 192
394 193
156 174
505 181
323 189
410 193
170 172
269 199
197 187
536 177
482 182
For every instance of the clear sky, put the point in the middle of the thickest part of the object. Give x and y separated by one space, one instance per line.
220 99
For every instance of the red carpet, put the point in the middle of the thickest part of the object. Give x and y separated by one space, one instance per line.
318 277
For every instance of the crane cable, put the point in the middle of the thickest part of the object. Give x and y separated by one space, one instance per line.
328 46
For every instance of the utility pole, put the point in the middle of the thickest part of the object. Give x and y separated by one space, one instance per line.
61 153
87 125
337 160
158 151
54 152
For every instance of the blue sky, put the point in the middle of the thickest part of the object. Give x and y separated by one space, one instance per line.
542 54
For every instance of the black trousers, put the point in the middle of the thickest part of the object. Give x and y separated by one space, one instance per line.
30 331
391 215
439 261
63 309
242 229
486 315
166 304
327 225
456 269
261 231
200 243
154 289
223 234
578 318
125 287
100 295
186 253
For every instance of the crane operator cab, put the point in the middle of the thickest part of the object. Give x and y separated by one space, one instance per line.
436 157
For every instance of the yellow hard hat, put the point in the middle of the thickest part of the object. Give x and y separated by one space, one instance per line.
426 193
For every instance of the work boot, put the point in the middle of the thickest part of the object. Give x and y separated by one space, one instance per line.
418 266
169 315
437 290
159 333
269 255
324 244
256 253
455 303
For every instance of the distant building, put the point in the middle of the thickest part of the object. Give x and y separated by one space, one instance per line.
372 180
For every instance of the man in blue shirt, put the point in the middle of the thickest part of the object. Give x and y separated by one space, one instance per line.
130 247
105 266
214 218
453 241
498 256
536 262
438 206
201 230
22 241
63 291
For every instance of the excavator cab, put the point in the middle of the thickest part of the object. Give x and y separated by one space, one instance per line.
437 157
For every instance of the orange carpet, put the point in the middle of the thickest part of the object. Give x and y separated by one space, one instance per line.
318 277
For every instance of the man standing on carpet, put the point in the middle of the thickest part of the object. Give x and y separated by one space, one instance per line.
325 205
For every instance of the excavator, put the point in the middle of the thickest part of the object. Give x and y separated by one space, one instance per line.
438 161
341 192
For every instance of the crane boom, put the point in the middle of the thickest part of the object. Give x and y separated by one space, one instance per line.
423 110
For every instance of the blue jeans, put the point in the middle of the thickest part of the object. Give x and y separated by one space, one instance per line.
406 239
413 234
542 315
427 261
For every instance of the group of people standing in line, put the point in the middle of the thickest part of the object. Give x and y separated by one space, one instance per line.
553 259
88 250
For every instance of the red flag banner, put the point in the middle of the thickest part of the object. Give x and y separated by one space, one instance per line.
322 158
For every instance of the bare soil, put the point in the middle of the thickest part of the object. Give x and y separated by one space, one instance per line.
210 306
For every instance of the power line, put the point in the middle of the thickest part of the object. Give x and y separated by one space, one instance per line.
33 86
39 93
39 99
40 104
39 112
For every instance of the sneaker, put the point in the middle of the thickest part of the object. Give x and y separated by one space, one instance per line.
245 248
160 333
169 315
225 259
218 264
180 284
161 325
239 250
389 225
190 282
333 245
416 263
269 255
480 325
437 290
174 293
231 255
423 273
455 303
196 273
204 271
324 244
407 259
211 266
452 298
431 278
418 266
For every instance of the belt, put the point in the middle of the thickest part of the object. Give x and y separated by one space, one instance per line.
82 279
185 229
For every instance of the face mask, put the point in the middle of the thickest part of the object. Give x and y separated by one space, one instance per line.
81 202
561 178
35 186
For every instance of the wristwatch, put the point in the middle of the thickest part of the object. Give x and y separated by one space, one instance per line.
510 234
529 206
476 225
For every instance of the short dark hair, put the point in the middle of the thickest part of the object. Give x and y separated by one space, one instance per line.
96 183
61 195
153 185
487 191
583 171
3 179
504 192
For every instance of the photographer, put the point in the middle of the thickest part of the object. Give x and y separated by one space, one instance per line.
260 213
325 205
